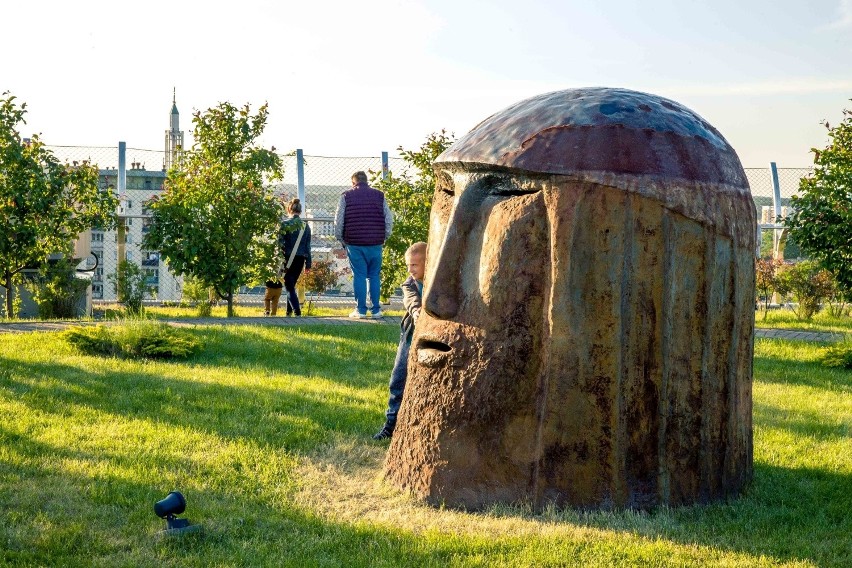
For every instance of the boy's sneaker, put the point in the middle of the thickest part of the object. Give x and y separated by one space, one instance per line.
357 315
378 314
384 434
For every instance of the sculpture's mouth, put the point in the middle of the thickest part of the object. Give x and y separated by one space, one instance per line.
432 353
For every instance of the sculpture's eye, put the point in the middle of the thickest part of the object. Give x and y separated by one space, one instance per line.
513 191
505 187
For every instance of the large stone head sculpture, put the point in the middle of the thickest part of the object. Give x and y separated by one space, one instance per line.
588 328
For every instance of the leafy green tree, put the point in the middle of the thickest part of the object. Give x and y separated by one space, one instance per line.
410 199
217 218
821 222
44 204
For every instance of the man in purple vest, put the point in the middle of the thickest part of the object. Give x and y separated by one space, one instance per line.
363 223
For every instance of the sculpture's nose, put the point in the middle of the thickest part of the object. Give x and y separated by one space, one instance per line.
442 296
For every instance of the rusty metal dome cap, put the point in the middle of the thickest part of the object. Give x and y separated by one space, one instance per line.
602 130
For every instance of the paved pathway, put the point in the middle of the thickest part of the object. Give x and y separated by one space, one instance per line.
825 336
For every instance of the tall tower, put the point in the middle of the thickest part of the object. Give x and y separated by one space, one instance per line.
174 137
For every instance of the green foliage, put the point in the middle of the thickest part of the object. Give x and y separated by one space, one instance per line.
808 284
134 340
838 356
766 270
410 199
56 289
129 285
217 219
821 222
44 205
198 295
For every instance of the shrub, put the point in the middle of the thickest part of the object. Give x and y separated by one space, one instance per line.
807 283
838 356
57 291
320 277
129 285
135 339
198 295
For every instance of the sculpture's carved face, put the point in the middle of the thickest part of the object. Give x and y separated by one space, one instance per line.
487 273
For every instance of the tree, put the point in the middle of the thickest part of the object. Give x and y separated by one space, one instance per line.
44 204
766 272
411 202
821 222
217 218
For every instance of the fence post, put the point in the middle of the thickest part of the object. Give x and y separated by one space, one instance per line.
122 167
122 191
384 165
300 176
776 206
776 191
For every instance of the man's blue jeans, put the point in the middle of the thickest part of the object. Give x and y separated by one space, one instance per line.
398 378
366 264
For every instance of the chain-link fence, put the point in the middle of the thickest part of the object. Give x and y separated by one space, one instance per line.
323 179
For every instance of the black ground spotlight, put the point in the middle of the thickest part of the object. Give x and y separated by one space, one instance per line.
174 504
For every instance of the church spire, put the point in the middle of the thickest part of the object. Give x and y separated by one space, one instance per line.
174 136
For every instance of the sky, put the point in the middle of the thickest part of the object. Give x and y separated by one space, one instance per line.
355 78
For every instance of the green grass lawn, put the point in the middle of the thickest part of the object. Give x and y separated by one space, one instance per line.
115 311
267 433
786 319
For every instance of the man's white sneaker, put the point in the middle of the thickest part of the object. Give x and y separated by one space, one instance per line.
357 315
378 314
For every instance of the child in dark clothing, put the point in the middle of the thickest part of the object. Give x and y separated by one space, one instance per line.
412 298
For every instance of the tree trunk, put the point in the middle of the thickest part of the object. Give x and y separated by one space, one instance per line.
10 294
231 303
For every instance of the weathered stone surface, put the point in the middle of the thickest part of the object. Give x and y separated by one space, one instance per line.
589 318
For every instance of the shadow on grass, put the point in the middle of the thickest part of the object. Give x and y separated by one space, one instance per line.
355 356
791 371
54 517
277 413
804 423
